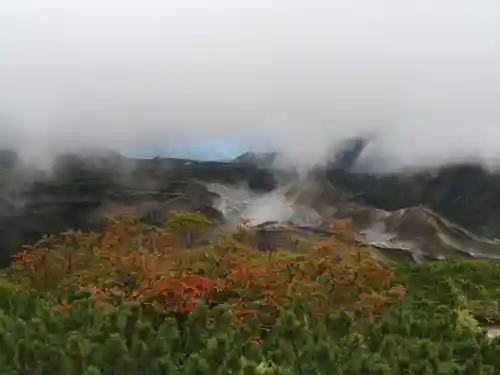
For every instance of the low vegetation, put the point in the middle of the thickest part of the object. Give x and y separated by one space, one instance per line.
147 300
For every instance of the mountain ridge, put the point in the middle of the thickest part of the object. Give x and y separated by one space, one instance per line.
80 192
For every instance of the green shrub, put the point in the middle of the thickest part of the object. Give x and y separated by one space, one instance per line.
336 310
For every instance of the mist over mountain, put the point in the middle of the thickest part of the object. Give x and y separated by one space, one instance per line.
293 113
243 186
295 76
414 216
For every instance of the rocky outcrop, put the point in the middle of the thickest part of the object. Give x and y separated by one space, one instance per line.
422 234
415 234
452 211
80 193
467 194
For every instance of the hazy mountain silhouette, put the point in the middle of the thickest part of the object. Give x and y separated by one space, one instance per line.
450 211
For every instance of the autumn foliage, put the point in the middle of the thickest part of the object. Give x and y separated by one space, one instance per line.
147 300
166 271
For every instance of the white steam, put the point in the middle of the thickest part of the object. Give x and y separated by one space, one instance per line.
89 74
240 202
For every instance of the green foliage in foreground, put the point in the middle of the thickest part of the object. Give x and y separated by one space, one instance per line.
471 285
431 331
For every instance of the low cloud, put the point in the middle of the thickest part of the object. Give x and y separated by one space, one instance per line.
296 76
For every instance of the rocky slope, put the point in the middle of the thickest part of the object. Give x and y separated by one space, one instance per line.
452 211
79 193
467 194
307 209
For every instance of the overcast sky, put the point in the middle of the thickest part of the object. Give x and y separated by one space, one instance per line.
296 75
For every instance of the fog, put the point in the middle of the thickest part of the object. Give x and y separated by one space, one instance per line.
423 76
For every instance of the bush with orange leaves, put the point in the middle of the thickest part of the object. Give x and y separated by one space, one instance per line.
131 262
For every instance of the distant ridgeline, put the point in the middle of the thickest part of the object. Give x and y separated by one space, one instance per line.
80 189
79 192
8 159
467 194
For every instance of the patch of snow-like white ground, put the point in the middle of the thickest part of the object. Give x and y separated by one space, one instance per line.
239 202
